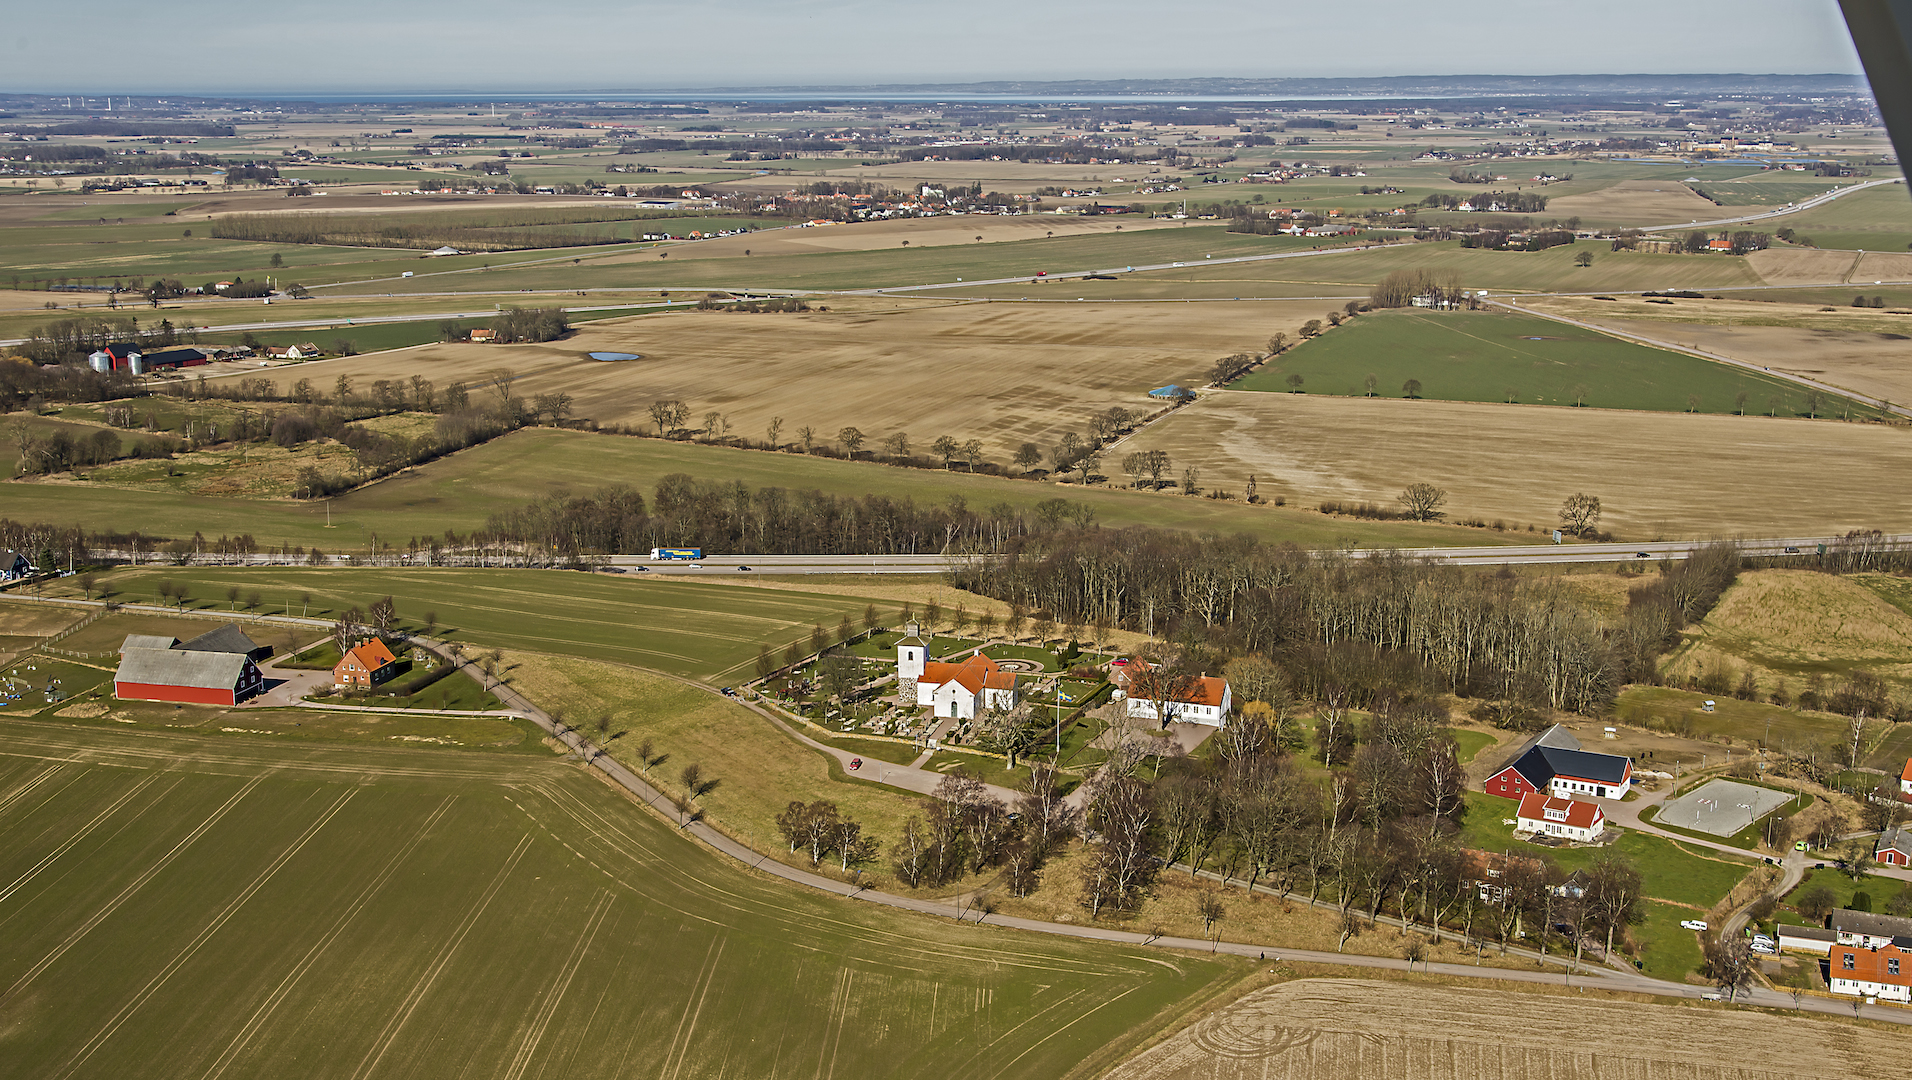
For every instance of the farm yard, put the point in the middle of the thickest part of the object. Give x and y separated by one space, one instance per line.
1328 1028
1504 357
481 908
1749 476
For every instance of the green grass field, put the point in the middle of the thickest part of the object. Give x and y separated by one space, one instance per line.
1751 722
685 628
461 491
1498 357
1673 872
1879 219
179 905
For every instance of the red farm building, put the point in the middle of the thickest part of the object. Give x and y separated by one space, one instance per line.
178 675
1553 763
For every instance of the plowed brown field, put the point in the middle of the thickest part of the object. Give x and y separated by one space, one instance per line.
1354 1029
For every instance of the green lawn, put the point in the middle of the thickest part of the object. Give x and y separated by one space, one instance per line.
688 628
1673 871
461 491
1497 357
180 904
1667 950
1471 743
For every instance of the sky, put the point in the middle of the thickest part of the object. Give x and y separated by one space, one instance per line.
375 46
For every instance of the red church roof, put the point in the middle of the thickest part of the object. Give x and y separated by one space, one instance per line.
974 674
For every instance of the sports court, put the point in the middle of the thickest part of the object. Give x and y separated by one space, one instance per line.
1721 807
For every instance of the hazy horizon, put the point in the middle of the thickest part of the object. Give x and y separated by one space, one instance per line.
487 46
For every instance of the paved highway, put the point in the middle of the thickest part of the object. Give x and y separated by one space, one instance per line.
1797 546
1807 204
738 566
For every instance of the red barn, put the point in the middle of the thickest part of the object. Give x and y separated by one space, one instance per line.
1894 847
1553 763
196 678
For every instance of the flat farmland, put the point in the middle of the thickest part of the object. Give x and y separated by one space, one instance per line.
681 627
1816 266
1552 270
1025 372
461 491
1658 474
967 229
1635 202
1499 356
682 266
187 906
1873 363
1877 219
1364 1029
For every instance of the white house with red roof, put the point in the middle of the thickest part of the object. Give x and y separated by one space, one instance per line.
1883 971
959 690
1566 819
1202 700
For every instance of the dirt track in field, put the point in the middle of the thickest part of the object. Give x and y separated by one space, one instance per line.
1657 474
1354 1029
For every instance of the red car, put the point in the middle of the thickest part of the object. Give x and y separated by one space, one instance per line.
856 763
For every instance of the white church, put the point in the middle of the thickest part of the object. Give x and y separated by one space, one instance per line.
959 690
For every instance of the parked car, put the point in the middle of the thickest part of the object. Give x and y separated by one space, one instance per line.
1693 924
1765 948
856 763
1799 846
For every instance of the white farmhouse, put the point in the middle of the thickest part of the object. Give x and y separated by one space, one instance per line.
1566 819
1204 700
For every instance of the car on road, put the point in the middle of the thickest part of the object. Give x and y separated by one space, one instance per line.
744 568
856 763
1799 845
1792 550
643 569
1642 555
1693 924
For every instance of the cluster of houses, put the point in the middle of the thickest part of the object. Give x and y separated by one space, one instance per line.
221 667
1866 955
